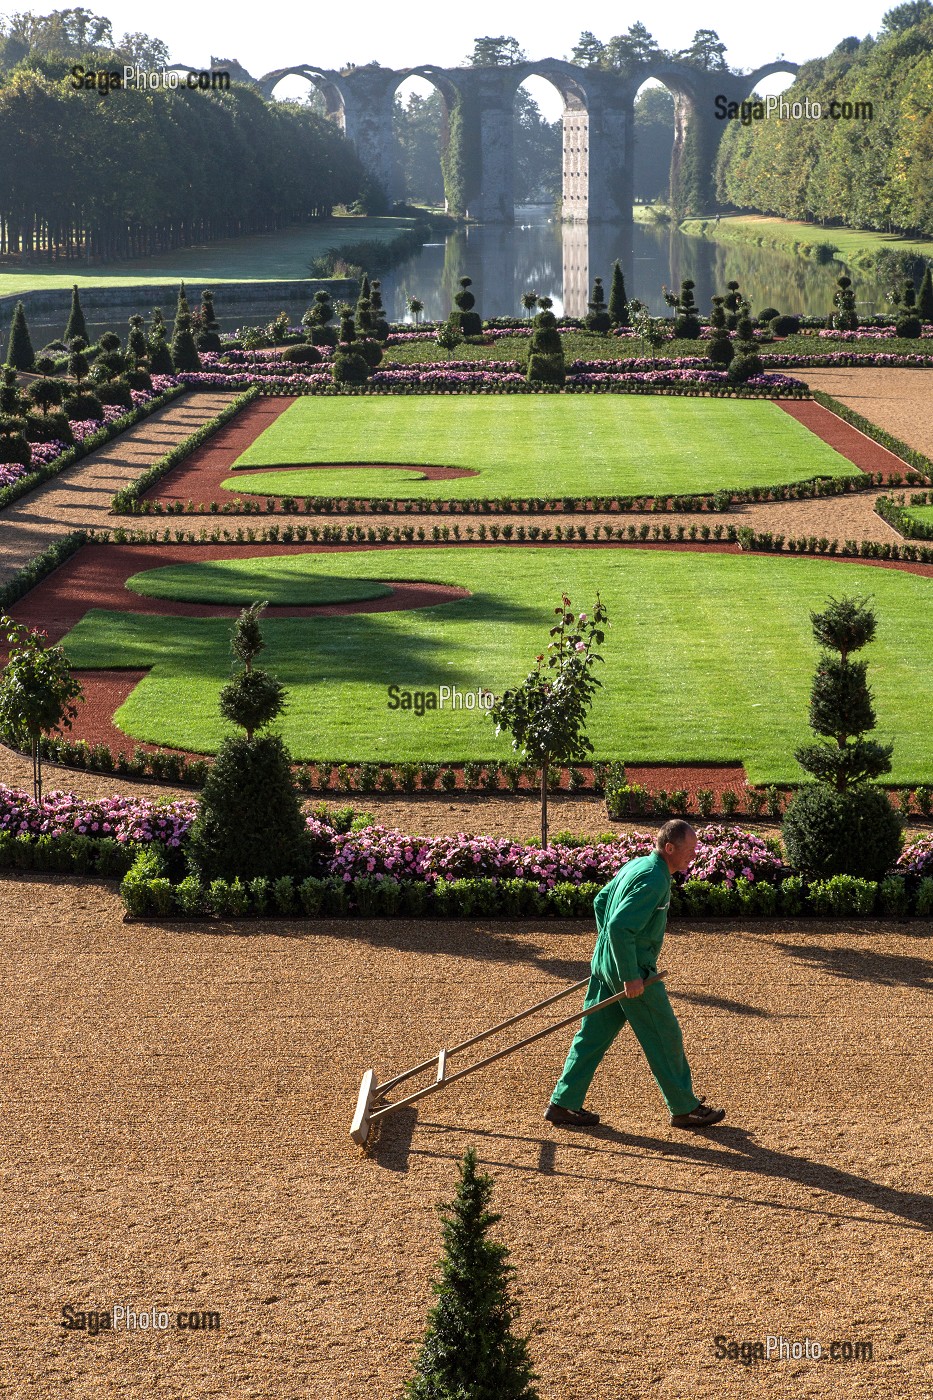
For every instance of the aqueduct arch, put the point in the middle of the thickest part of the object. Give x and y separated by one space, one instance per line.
598 129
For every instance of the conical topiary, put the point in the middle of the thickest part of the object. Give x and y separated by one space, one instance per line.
840 824
209 333
20 353
546 351
618 301
184 351
470 1350
597 318
380 324
76 322
249 821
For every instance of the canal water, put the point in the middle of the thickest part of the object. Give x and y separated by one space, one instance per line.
558 260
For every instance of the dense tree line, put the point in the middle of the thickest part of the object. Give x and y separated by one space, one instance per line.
875 173
130 173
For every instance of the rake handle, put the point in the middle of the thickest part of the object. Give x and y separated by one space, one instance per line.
509 1049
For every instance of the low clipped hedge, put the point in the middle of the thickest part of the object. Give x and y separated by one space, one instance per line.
814 488
148 892
69 854
896 510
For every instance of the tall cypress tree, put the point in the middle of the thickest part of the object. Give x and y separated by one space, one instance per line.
618 301
925 298
20 353
470 1351
77 326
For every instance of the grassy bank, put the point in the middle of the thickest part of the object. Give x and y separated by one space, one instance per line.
264 257
855 247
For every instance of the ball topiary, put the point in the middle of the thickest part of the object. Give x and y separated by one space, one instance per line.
117 392
371 351
546 369
349 367
766 314
15 450
783 325
302 355
48 427
743 367
82 406
855 832
908 325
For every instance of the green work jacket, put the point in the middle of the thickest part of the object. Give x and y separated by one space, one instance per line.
631 916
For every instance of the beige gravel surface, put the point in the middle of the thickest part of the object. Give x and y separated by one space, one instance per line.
898 400
79 497
177 1103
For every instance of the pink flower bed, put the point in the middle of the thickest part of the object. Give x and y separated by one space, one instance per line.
123 818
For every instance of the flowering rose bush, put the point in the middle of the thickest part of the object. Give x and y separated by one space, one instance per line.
724 855
917 858
123 818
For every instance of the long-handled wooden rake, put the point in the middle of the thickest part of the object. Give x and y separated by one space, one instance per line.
371 1105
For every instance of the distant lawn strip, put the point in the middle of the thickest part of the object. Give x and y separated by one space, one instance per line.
709 658
910 517
542 445
283 581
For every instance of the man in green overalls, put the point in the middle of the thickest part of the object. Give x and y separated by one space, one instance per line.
631 915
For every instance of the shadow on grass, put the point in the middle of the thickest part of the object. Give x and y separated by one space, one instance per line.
731 1149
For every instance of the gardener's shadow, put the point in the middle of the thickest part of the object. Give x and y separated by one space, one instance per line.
865 965
738 1152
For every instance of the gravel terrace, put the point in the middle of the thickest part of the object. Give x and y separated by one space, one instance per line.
177 1108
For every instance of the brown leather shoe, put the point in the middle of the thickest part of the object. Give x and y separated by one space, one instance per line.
703 1116
570 1117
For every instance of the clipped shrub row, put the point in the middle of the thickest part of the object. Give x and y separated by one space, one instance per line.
897 512
104 434
70 854
147 891
122 501
716 501
766 542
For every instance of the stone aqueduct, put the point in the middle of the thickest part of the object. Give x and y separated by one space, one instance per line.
598 129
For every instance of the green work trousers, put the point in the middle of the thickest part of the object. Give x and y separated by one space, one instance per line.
657 1031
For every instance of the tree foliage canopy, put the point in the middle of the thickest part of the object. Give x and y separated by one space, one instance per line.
874 173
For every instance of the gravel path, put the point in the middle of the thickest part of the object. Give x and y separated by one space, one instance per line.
79 497
898 400
177 1102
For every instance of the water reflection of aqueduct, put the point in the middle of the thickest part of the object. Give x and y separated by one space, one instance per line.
598 128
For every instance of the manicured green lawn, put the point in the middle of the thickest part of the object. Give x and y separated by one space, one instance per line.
709 657
794 234
547 445
924 513
283 579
